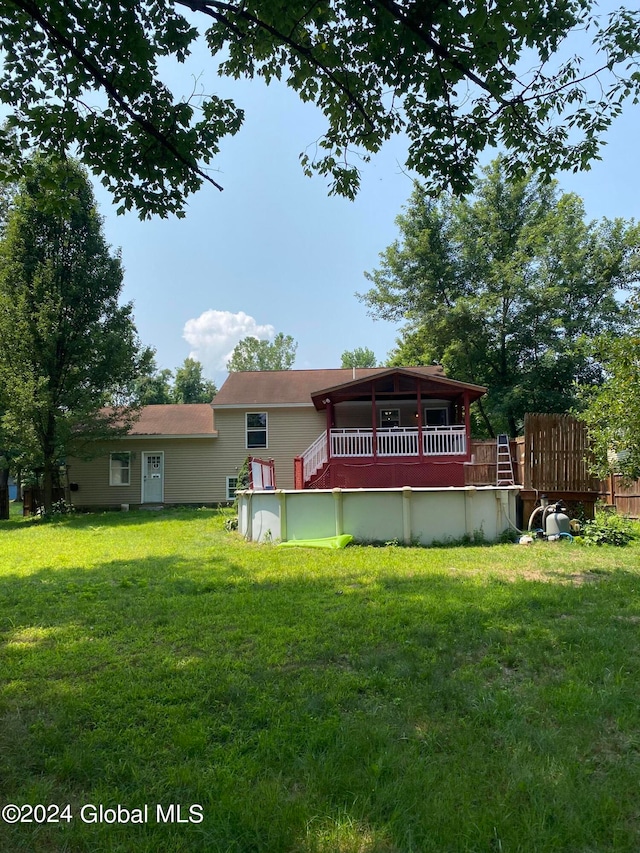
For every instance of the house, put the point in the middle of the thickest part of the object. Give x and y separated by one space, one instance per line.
362 428
368 427
168 457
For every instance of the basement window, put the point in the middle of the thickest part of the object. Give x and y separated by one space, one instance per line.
232 485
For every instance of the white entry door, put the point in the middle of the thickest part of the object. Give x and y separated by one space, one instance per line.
152 478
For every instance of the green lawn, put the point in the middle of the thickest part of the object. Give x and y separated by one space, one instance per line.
372 700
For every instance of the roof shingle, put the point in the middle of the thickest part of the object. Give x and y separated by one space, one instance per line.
175 419
255 387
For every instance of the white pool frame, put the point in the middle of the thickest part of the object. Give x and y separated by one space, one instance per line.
407 515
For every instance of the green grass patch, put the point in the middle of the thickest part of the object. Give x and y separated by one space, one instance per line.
371 700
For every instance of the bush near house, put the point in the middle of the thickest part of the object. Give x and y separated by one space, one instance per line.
386 700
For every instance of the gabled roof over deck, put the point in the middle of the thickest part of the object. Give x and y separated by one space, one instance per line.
396 383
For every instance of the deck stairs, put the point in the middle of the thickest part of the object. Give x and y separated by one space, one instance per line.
504 462
315 459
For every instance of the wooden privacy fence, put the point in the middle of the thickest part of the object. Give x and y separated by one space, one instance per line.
482 471
33 499
556 455
625 496
552 458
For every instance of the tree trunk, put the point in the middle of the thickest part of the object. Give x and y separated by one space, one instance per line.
47 485
49 461
486 420
4 490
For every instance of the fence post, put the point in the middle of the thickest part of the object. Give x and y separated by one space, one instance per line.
612 489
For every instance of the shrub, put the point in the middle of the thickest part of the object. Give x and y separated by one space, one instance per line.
608 528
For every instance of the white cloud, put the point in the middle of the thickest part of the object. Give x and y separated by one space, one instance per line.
214 334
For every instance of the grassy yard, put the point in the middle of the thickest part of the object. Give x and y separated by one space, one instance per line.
370 700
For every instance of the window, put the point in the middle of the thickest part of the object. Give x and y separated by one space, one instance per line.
389 417
436 417
232 485
256 430
119 469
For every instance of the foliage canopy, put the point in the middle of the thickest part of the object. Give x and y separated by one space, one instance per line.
190 386
253 354
455 78
506 289
358 357
158 387
67 347
612 410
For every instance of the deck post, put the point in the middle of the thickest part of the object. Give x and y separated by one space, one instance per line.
374 437
329 425
419 404
467 425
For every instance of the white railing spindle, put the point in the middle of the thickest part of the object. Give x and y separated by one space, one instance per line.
390 441
315 456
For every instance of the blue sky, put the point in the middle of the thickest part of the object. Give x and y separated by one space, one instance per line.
274 253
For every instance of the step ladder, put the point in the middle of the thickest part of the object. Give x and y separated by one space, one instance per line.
505 465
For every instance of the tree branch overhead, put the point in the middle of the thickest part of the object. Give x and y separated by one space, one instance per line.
448 76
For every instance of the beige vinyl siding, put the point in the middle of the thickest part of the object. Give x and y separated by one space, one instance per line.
190 469
289 431
357 415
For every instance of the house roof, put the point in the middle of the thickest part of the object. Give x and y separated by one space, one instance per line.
392 382
305 387
186 419
293 387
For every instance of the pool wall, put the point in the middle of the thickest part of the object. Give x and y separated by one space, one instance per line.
406 515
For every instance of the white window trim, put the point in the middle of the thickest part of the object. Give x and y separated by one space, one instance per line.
119 453
231 497
256 429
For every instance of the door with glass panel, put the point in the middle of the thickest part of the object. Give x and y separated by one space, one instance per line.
152 478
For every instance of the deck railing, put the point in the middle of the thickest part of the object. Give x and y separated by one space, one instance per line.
351 442
444 441
399 441
315 456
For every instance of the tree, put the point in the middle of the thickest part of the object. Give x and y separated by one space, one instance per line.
359 357
5 196
66 345
452 77
158 387
4 483
253 354
611 410
506 289
153 387
190 386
